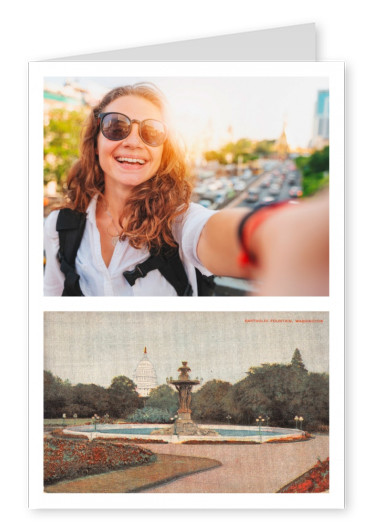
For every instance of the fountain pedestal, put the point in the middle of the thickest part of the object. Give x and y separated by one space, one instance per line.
184 425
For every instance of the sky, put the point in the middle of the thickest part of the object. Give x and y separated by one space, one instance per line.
205 108
94 347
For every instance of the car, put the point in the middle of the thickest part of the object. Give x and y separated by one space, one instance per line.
274 191
205 203
247 174
252 196
268 199
295 191
239 186
220 198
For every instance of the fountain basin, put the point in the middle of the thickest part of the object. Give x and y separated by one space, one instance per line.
230 433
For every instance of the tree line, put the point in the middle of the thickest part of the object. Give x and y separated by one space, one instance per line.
276 392
244 148
315 171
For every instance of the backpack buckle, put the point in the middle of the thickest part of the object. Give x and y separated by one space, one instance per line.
132 276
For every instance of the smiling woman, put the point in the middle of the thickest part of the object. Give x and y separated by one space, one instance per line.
133 231
127 227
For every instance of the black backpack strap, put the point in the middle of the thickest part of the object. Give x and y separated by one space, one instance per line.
70 225
205 284
168 262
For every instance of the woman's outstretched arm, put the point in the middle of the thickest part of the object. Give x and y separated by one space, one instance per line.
218 246
290 248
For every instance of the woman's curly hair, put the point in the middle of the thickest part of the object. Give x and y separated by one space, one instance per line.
153 205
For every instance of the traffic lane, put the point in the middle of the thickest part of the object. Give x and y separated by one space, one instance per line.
283 195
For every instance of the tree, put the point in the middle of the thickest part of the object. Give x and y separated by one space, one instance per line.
274 389
88 399
315 399
123 398
209 402
297 361
61 143
215 155
315 171
246 402
319 161
56 395
165 398
241 148
264 147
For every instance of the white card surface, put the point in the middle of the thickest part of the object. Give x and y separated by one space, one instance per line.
207 59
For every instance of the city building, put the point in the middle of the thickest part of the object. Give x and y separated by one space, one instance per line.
320 136
68 97
145 376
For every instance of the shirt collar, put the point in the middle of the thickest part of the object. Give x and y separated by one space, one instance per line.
91 210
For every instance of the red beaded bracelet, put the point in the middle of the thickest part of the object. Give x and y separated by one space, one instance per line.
247 227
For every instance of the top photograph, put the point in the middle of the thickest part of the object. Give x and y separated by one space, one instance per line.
186 186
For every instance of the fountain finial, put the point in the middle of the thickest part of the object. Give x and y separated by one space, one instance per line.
184 370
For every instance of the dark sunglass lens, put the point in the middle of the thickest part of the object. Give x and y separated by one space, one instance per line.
115 126
153 132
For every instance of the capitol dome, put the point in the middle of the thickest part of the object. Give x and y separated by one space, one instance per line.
145 376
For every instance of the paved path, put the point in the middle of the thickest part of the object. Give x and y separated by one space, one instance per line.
258 468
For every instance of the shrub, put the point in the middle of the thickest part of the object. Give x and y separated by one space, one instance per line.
150 414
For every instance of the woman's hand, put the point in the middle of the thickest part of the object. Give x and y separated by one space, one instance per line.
291 247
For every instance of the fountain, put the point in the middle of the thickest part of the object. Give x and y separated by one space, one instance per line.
184 424
184 429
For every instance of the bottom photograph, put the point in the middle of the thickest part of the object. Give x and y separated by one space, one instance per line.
186 402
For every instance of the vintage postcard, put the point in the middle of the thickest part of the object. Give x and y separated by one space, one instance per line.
190 402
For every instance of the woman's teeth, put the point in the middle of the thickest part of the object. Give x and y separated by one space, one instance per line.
130 161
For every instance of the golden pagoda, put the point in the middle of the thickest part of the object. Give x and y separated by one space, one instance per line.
281 146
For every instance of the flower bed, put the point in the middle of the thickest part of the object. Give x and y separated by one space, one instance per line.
72 458
294 438
315 480
84 437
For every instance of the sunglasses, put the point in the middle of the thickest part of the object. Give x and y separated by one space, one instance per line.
117 126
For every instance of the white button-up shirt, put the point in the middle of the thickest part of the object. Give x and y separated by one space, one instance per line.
98 280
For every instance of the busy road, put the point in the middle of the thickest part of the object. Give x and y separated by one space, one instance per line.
277 181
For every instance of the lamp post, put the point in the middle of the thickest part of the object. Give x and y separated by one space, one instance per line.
259 421
95 419
173 419
301 422
296 418
228 418
64 417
